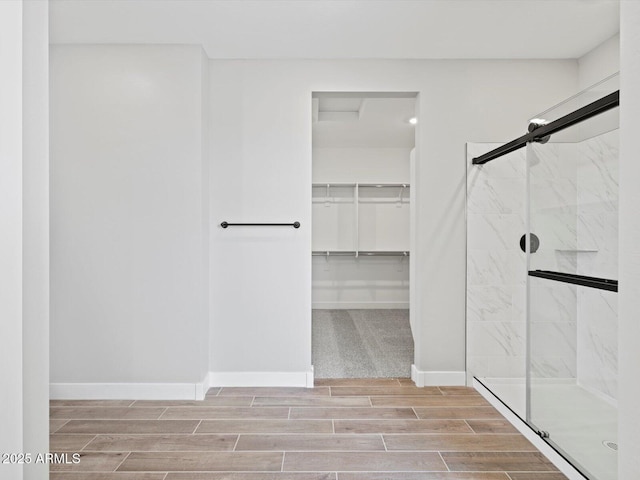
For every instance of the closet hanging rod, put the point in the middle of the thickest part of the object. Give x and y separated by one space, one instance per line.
383 254
384 185
344 253
330 253
227 224
581 280
536 133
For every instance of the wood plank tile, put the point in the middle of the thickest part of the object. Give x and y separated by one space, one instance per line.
162 443
358 382
537 476
423 476
311 401
492 426
458 412
68 443
91 462
401 426
90 403
106 427
497 461
275 391
380 391
208 413
202 461
351 413
309 442
265 426
54 425
362 461
106 413
212 401
459 443
406 381
458 390
213 391
430 401
106 476
251 476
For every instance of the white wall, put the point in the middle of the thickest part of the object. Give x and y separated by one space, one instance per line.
35 281
363 165
261 171
129 222
205 213
11 395
24 408
629 293
599 63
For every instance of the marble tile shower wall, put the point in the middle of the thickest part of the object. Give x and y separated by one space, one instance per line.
554 313
574 213
597 228
496 268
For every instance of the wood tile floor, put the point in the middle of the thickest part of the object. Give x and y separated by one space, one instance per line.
371 429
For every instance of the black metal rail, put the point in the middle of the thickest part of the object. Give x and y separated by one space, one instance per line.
227 224
539 132
582 280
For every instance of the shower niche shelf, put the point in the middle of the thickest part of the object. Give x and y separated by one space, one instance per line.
577 250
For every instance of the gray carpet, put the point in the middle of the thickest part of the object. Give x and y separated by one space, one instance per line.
362 343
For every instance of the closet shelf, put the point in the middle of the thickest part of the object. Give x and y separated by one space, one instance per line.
379 185
367 253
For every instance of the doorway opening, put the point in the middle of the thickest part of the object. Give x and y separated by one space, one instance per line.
363 150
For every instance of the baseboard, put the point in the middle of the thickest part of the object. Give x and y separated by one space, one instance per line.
128 391
430 378
261 379
178 391
360 305
203 386
554 457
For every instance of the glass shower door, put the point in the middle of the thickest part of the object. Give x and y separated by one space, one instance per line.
572 262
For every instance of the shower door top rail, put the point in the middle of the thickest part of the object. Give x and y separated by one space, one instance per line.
538 132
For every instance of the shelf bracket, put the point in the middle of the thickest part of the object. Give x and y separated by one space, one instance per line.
402 189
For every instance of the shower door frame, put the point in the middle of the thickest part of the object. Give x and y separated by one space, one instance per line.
539 133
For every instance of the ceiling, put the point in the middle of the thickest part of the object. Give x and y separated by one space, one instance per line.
370 121
431 29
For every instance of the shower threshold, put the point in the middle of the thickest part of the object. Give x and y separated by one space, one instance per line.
583 443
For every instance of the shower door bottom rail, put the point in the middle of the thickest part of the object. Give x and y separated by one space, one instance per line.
582 280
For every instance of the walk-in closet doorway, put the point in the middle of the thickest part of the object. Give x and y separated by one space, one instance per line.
363 159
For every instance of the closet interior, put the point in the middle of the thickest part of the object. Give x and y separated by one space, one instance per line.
363 151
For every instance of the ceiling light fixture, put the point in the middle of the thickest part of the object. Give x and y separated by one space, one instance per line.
413 120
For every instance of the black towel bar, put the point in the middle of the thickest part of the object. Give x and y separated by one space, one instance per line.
227 224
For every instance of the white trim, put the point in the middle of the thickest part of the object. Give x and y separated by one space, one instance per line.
126 391
426 378
261 379
178 391
310 378
416 376
203 387
554 457
359 305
